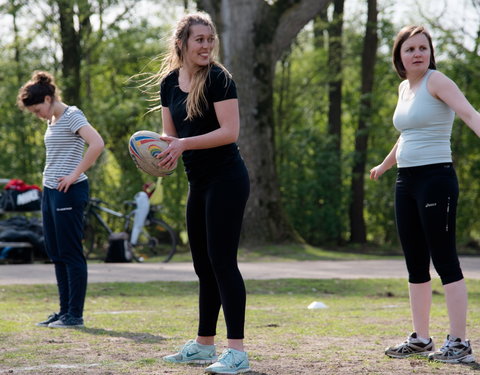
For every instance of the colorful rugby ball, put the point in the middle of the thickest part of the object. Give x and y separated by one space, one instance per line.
143 147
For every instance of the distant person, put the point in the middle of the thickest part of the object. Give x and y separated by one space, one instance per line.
142 207
65 191
201 123
151 195
427 191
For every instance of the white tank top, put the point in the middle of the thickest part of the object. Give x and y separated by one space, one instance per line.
425 125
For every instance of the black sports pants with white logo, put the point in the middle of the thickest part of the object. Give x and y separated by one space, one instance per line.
214 218
63 232
425 211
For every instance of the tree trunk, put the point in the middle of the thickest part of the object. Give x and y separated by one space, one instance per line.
254 35
335 49
71 50
357 220
335 58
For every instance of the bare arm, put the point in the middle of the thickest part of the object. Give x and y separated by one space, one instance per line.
227 112
447 91
95 148
167 122
387 163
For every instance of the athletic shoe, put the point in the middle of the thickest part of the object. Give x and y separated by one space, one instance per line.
231 361
453 351
193 352
67 321
412 346
51 318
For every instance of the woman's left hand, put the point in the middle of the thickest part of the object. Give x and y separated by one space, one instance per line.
169 157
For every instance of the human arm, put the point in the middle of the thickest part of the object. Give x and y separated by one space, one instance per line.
227 113
387 163
443 88
95 147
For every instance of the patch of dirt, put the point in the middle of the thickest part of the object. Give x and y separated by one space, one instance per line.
94 352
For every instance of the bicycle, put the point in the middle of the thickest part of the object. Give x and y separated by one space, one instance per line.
157 239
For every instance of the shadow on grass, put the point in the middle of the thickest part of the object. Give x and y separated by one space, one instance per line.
475 366
138 337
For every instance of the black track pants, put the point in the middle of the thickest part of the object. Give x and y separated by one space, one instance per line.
425 209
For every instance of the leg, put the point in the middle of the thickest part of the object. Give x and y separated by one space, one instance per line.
202 350
456 297
209 298
141 212
438 214
68 218
226 202
420 303
49 231
416 252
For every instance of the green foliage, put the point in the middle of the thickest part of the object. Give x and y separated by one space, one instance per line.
304 156
112 102
315 201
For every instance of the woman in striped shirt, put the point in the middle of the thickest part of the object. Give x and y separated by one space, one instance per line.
65 191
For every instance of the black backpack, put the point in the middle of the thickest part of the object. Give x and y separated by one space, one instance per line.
119 248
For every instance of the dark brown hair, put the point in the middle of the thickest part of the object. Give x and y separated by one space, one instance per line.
33 92
404 34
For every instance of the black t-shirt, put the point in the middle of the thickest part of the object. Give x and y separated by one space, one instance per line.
219 86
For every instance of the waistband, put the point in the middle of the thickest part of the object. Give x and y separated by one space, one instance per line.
424 168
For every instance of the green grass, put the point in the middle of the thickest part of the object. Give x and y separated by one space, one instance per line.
129 326
300 252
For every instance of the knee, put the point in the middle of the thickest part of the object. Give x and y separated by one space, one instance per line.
418 273
449 272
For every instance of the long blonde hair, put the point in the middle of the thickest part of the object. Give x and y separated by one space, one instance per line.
173 60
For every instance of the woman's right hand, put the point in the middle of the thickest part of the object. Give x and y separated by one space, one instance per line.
377 171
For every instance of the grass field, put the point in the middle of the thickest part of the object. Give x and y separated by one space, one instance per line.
130 326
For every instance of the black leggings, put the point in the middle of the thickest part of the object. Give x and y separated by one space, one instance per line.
425 209
214 218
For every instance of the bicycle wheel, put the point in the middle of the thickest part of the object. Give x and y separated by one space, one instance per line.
157 239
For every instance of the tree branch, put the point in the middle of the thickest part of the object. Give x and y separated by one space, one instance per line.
292 16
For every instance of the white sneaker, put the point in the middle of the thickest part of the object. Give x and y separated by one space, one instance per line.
231 361
193 352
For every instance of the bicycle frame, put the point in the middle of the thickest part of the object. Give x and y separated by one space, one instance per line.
151 243
94 207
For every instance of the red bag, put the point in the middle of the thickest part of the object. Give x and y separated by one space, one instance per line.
20 185
19 196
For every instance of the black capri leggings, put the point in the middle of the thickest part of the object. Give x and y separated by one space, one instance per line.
214 219
425 209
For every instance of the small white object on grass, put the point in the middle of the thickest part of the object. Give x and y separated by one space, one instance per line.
317 305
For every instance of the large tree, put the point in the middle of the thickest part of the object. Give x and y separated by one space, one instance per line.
254 34
357 221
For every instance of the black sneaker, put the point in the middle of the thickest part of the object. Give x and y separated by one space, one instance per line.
412 346
67 321
453 351
52 318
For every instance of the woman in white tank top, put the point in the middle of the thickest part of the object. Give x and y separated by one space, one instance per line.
427 191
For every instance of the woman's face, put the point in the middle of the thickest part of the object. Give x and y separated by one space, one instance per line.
200 45
415 53
43 110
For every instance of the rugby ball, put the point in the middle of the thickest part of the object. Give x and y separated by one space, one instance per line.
143 147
